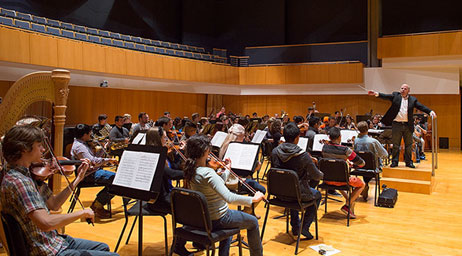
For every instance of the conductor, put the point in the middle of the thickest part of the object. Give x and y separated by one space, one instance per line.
400 117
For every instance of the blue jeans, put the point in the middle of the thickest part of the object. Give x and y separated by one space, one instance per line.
238 219
77 247
253 184
309 214
103 177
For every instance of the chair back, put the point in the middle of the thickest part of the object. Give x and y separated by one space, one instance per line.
189 208
334 169
267 148
369 158
14 235
284 184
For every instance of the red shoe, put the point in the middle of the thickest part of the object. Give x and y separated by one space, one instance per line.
345 210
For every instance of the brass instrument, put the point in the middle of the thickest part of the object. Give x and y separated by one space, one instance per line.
104 132
118 145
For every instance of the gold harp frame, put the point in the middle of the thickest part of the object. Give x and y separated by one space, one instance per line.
51 86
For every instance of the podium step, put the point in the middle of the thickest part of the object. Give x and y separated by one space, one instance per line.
419 173
409 185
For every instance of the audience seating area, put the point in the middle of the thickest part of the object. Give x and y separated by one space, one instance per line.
93 35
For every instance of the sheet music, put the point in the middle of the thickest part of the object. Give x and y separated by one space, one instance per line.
218 139
317 144
136 170
259 136
303 143
375 131
347 135
140 139
242 155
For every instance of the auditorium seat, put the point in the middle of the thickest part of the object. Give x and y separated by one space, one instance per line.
188 54
129 45
23 16
207 57
136 39
40 20
92 31
81 36
67 26
114 35
160 50
146 41
170 52
183 47
150 48
175 46
80 29
179 53
103 33
8 13
196 55
155 42
53 23
165 44
54 31
94 39
68 33
6 21
106 41
22 24
126 37
118 43
140 47
38 27
200 49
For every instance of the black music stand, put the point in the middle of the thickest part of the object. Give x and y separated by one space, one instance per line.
141 195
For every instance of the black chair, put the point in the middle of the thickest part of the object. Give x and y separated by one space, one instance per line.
284 186
267 149
189 208
369 170
14 236
85 184
135 211
336 170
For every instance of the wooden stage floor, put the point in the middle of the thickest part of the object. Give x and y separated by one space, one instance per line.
418 225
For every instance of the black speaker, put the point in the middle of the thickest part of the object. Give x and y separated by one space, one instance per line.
444 142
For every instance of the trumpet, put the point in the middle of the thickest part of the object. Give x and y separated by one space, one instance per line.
118 145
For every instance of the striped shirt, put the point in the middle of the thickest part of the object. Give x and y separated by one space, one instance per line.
21 195
341 152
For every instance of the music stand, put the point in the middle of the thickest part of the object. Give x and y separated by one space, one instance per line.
237 151
360 118
139 176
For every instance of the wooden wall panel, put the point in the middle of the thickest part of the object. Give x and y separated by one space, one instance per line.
447 107
135 63
275 75
94 57
43 50
86 103
154 65
116 61
70 54
432 44
14 45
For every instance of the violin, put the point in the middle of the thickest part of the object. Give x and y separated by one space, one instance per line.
45 169
213 163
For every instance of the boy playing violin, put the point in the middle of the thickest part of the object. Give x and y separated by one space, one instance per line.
29 201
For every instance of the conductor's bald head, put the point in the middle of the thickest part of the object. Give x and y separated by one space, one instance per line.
404 90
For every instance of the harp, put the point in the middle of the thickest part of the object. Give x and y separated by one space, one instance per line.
51 86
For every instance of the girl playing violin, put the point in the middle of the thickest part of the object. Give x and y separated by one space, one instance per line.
30 201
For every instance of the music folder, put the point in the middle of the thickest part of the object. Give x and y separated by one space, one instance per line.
218 139
139 174
139 138
243 155
318 141
259 136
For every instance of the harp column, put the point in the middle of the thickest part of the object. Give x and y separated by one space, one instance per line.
60 80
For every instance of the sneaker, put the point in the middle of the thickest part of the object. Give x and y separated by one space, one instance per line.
99 210
295 231
333 192
365 193
345 210
306 233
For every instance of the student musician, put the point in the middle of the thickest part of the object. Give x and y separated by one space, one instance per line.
290 156
143 124
29 201
237 133
205 180
119 136
333 149
102 124
81 150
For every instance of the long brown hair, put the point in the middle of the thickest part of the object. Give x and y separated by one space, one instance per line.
195 149
154 136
